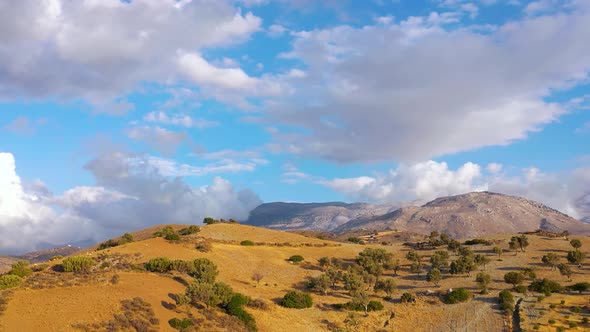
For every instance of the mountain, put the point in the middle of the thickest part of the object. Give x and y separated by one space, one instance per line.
312 216
461 216
37 256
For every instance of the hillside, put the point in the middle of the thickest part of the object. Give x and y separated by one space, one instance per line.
312 216
472 215
461 216
118 286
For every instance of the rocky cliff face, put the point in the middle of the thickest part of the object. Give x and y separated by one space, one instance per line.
461 216
312 216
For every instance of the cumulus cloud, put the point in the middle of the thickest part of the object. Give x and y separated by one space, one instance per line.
421 181
127 196
99 51
425 181
430 90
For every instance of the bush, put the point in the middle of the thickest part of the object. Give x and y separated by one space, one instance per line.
56 257
259 304
545 286
506 300
477 241
9 281
579 287
204 246
127 238
107 244
158 264
585 320
39 267
375 306
167 233
182 266
520 289
551 321
180 324
297 300
77 264
296 259
572 324
355 240
210 221
235 308
407 298
204 270
21 269
172 237
457 295
189 230
247 243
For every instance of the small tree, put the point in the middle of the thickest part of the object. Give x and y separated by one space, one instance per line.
514 278
483 280
9 281
323 283
576 257
361 298
209 221
565 270
577 244
413 256
506 301
521 241
551 259
579 287
434 276
257 277
481 260
387 285
498 251
440 259
394 265
416 267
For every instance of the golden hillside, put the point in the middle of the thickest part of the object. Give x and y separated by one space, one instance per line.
50 300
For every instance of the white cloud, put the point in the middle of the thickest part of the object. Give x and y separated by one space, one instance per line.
99 51
494 168
276 30
25 126
178 120
164 140
426 181
167 167
421 181
128 196
428 91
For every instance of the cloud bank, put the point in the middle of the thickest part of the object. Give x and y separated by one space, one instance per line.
128 196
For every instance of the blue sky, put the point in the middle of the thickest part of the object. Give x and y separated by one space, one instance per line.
128 105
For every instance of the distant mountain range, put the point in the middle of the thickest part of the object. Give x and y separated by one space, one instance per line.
461 216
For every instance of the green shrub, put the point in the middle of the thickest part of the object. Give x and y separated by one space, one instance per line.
477 241
551 321
210 221
247 243
77 264
457 295
167 233
354 240
579 287
172 237
182 266
204 270
180 324
576 309
375 306
192 229
536 326
158 264
572 324
407 298
585 320
520 289
296 259
9 281
21 269
56 257
235 308
297 300
107 244
127 238
545 286
506 300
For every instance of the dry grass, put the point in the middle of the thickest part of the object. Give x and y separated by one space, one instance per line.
96 300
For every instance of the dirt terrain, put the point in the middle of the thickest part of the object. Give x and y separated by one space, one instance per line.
56 301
